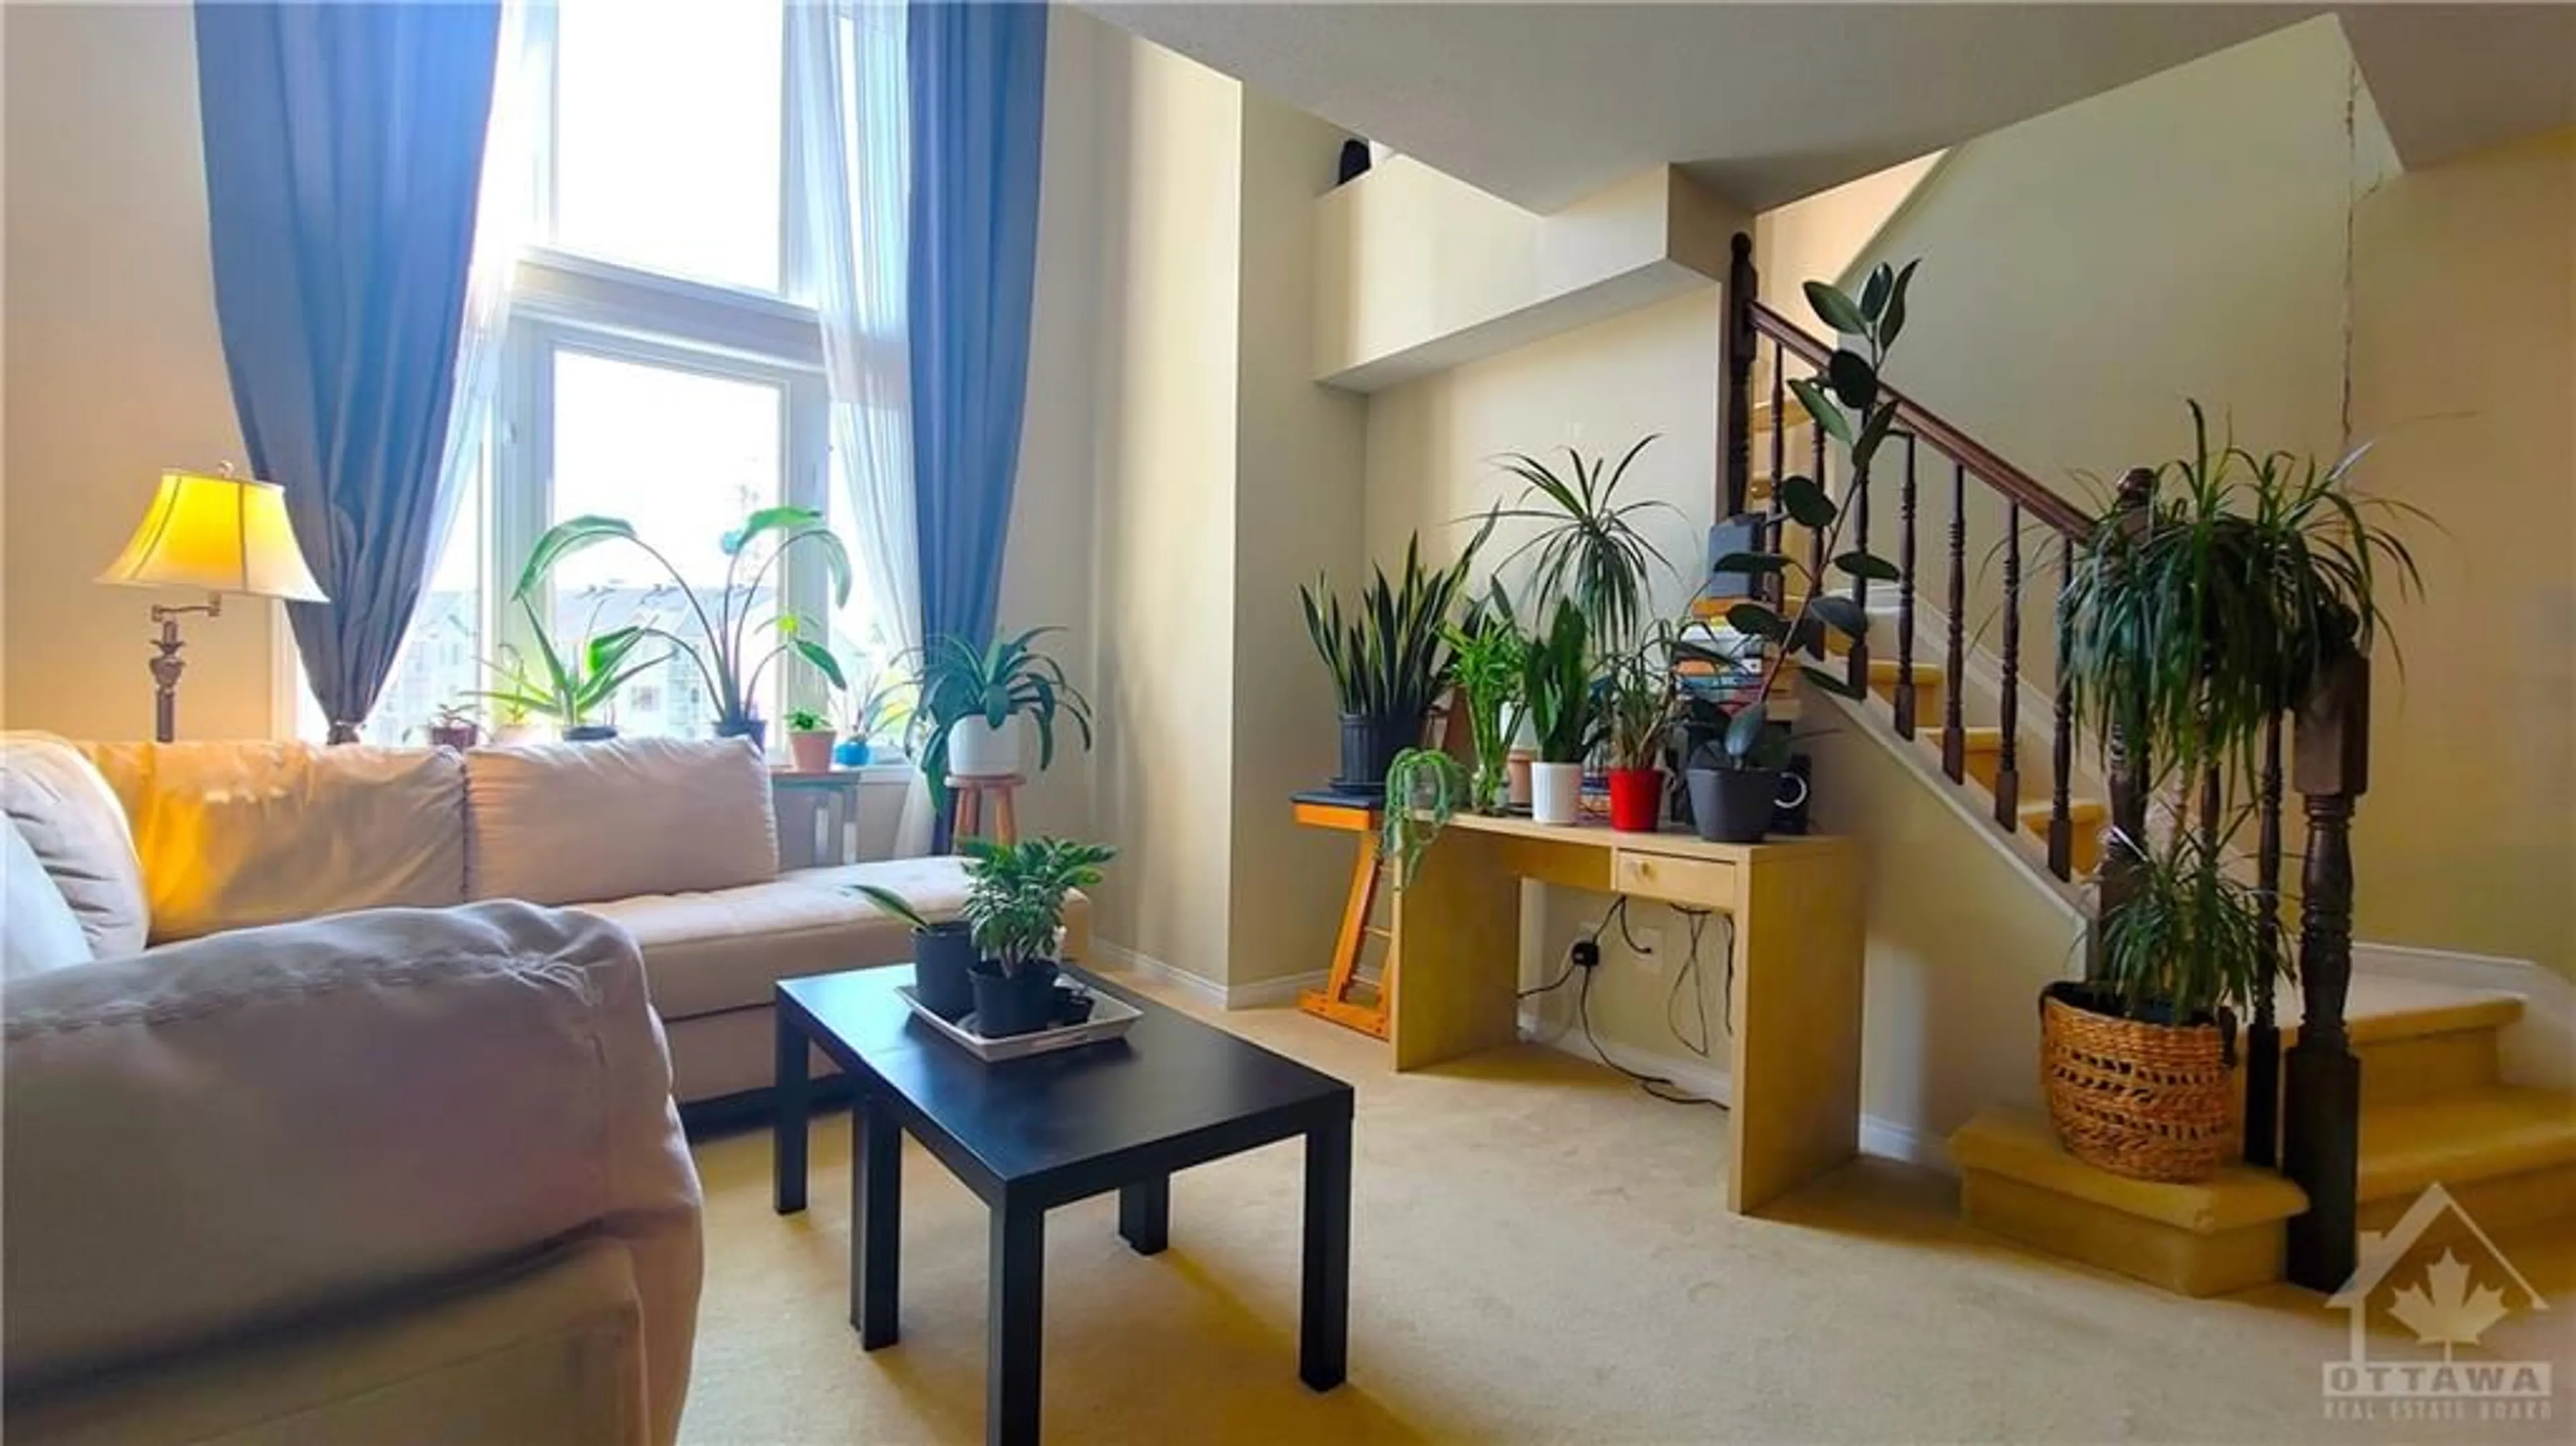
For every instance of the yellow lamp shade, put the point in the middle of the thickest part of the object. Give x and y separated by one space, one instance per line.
221 534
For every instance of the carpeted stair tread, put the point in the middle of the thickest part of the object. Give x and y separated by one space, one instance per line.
2482 1134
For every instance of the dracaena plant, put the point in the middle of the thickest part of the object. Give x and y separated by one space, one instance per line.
730 648
1855 410
1390 658
1015 895
1590 552
2219 604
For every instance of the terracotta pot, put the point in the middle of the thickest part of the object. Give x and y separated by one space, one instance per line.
1516 774
811 748
1636 799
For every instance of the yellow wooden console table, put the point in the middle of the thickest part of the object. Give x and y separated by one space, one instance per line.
1793 1051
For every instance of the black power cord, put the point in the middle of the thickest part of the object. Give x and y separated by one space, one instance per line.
1584 958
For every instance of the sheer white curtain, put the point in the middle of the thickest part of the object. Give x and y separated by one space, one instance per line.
853 131
505 213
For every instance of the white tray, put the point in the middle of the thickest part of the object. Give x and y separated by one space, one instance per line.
1110 1018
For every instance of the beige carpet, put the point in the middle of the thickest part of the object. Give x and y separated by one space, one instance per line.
1539 1254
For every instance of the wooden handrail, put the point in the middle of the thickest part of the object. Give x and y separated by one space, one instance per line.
2061 516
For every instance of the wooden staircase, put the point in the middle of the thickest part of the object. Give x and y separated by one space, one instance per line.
2430 1104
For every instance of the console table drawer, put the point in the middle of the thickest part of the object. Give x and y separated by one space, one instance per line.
1698 883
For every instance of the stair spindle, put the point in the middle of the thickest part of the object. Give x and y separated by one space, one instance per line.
1816 536
1775 533
2263 1036
1857 673
1905 597
2008 755
2061 747
1954 727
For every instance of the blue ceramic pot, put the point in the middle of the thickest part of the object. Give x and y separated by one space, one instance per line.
850 753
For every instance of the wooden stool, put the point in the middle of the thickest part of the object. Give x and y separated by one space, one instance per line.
966 807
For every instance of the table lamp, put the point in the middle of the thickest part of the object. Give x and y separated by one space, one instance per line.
224 534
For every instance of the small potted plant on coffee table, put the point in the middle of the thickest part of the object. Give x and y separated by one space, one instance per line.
1015 897
809 740
943 954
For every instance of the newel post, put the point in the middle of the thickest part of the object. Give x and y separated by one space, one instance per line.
1742 285
2321 1110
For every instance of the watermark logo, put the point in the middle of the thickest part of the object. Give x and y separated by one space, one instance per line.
2438 1276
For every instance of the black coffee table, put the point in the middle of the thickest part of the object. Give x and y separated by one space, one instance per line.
1031 1134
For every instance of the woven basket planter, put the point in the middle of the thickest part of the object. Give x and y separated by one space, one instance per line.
2150 1101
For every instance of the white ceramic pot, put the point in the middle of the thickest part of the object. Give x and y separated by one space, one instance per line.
977 749
1556 792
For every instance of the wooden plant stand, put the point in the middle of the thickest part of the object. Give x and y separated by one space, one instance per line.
1349 998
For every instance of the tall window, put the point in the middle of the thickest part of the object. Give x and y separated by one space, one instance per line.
663 364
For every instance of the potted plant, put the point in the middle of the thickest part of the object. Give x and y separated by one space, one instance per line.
943 954
1564 711
1590 551
2195 614
454 726
1389 660
727 645
882 707
512 723
1424 788
1015 897
810 736
971 697
1734 785
1486 655
571 690
1639 700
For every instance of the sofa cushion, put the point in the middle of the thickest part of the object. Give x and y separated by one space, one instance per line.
72 823
573 823
38 931
723 949
234 835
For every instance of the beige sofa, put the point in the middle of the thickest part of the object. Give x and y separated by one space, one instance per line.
674 840
316 1135
399 1176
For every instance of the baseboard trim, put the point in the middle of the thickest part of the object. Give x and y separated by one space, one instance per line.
1257 994
2540 1051
1710 1081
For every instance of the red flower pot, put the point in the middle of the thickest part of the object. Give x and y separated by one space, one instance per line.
1636 799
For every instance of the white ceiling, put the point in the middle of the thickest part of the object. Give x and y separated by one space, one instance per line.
1541 104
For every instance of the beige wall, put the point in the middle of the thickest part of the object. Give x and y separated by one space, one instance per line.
1817 239
113 372
1297 485
2464 367
1047 569
1171 151
2187 236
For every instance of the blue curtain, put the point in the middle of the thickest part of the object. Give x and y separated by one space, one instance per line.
344 147
977 78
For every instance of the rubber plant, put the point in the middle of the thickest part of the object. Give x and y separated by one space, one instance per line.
1855 410
728 649
1590 552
